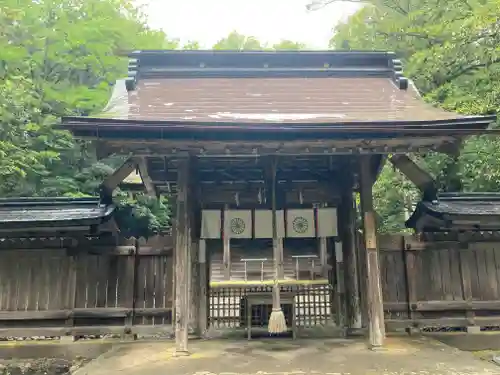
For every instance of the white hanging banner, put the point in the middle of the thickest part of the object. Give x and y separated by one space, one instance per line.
264 223
300 223
239 224
327 222
210 223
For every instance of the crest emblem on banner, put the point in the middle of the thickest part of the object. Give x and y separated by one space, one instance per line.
300 223
238 223
237 226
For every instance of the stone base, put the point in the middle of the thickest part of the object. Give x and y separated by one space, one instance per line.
378 348
413 331
128 337
474 329
181 353
68 339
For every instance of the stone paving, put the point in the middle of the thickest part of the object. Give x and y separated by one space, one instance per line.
401 356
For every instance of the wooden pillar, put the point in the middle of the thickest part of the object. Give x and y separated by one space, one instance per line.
340 290
203 287
376 323
348 237
194 287
226 244
195 229
182 260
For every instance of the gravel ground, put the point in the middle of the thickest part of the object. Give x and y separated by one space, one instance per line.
42 366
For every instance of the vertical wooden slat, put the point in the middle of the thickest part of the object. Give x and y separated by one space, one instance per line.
411 277
182 257
492 285
465 275
375 303
455 273
32 298
70 298
496 257
22 277
150 289
435 281
4 279
91 280
482 275
17 278
160 283
444 261
128 283
81 280
111 300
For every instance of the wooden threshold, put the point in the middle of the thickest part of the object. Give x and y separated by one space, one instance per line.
255 283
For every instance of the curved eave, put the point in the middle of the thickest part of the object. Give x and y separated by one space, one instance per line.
104 128
457 211
32 215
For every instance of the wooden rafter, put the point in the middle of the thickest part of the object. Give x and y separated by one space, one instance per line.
423 180
122 172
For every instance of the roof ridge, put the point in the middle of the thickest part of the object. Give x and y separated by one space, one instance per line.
229 64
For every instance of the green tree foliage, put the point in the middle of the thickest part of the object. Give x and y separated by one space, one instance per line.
238 42
450 50
288 45
60 57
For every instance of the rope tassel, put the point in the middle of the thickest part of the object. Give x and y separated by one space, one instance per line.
277 321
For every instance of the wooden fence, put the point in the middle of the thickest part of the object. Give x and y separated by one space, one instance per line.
90 289
442 283
58 288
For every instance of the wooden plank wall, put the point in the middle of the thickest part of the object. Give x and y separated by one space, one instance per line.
94 290
97 290
441 283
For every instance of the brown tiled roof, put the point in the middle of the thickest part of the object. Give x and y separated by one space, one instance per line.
40 212
467 211
246 89
315 100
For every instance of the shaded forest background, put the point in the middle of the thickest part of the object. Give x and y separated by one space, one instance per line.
61 57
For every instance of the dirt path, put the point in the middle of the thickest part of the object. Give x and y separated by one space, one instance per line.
402 356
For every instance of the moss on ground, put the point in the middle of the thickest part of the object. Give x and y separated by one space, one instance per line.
42 366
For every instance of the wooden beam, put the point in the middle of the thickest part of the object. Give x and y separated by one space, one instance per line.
182 260
111 182
422 180
145 177
374 290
